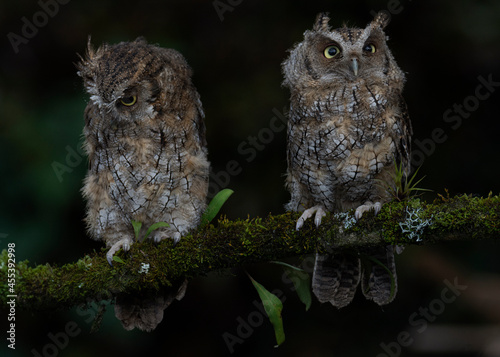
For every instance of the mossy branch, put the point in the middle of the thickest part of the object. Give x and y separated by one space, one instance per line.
228 244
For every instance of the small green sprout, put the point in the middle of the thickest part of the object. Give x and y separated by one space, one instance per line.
138 225
214 206
402 188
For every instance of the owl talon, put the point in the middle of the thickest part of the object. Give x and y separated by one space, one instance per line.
320 213
308 213
376 207
176 237
121 244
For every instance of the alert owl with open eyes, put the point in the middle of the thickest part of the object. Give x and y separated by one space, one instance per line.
348 125
145 139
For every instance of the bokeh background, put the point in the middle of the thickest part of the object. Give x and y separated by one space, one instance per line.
444 46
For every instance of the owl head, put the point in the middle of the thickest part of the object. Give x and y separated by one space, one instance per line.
130 81
329 57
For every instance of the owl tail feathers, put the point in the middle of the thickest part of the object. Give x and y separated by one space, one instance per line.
379 279
145 312
335 278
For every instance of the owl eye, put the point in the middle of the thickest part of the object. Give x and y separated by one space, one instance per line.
128 101
370 48
331 51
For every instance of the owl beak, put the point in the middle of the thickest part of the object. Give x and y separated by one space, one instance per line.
354 66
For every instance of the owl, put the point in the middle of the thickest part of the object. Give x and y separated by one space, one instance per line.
348 125
145 139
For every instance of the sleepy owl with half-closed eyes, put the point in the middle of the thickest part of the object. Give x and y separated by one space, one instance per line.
145 140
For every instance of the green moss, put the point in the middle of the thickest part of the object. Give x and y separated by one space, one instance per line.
239 242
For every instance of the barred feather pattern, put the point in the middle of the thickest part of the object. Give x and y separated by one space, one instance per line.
348 124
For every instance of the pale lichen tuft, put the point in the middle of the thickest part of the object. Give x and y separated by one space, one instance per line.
414 224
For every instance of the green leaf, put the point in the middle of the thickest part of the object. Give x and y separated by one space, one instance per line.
273 307
118 259
137 228
215 205
301 282
155 226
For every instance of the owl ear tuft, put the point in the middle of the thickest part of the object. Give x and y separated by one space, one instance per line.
83 64
92 52
90 48
87 63
381 20
321 23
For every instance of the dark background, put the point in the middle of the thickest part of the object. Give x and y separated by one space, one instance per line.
443 46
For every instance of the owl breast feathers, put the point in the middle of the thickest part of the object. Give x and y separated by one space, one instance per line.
348 120
145 139
347 126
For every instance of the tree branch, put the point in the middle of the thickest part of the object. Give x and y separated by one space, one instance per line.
236 243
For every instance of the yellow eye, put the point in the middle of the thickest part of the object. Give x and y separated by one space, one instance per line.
369 48
128 101
331 51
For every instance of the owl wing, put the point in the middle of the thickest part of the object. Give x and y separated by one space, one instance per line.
379 281
200 126
404 134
